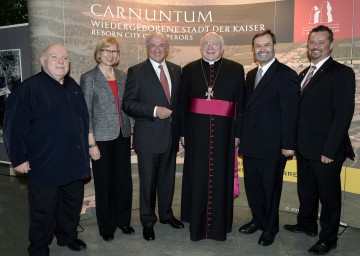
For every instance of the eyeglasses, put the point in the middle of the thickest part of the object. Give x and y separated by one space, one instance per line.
110 51
213 44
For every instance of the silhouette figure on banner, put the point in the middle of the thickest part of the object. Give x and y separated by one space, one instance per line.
322 14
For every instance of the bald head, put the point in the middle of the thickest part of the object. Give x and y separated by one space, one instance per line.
55 62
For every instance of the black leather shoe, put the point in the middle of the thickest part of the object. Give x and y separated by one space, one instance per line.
322 248
266 238
77 245
249 228
128 230
173 222
108 238
148 233
299 229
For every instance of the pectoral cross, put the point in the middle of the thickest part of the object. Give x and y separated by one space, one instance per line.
209 93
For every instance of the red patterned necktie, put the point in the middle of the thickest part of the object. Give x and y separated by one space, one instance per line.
309 76
164 82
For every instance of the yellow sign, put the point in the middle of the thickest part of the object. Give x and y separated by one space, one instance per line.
350 177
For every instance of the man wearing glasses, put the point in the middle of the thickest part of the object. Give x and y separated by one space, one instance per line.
210 110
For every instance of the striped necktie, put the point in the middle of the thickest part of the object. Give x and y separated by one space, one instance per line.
308 78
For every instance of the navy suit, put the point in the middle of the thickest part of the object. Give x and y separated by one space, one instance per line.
155 140
326 109
269 124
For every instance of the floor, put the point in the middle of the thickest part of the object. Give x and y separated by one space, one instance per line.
14 225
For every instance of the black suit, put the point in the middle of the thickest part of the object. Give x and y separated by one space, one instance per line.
326 110
155 141
269 125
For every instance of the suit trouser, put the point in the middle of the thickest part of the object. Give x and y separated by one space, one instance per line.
53 210
318 181
157 176
113 185
263 184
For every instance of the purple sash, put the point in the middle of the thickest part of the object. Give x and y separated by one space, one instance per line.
212 107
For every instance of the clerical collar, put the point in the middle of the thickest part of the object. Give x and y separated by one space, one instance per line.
212 62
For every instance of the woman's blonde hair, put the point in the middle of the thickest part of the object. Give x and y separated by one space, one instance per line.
105 43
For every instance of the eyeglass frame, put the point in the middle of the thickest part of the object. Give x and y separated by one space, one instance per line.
109 51
214 44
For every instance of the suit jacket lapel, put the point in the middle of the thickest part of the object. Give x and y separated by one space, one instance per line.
155 79
172 75
118 84
322 70
303 73
173 78
101 82
263 82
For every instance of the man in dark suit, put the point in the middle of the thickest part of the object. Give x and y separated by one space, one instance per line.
151 97
323 143
268 135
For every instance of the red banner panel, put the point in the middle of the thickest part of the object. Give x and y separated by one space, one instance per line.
338 15
357 18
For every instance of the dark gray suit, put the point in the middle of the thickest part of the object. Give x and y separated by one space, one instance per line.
155 141
112 172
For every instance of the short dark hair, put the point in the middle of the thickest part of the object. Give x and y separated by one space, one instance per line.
322 28
265 32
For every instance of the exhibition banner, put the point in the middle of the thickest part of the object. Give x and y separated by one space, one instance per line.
79 24
185 25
